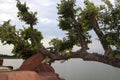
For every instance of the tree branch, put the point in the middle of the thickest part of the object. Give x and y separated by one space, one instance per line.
86 56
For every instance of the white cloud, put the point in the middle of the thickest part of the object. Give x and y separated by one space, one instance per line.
5 17
95 46
46 40
5 49
7 10
47 21
8 1
44 2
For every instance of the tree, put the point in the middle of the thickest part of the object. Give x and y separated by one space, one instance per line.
104 20
27 41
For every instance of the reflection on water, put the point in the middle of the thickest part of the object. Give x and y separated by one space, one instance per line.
76 69
13 62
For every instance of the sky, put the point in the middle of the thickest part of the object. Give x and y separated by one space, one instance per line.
47 20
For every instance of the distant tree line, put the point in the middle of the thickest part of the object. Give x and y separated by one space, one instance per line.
3 56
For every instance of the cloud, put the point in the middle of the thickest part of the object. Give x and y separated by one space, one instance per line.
7 10
46 40
5 17
45 3
47 21
6 49
8 1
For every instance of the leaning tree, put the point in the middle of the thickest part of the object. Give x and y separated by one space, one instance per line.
77 21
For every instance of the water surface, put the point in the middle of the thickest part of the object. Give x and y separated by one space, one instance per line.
77 69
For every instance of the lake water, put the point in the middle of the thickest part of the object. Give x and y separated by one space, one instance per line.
77 69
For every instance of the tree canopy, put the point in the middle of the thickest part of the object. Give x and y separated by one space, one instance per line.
77 21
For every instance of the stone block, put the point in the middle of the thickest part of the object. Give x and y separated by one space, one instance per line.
43 67
31 63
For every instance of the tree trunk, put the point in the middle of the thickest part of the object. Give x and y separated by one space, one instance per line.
31 25
79 31
100 35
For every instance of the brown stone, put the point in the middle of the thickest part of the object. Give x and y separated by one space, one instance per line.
49 76
28 75
1 61
43 67
31 63
3 77
20 75
47 72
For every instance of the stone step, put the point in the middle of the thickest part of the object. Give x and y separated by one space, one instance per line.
5 68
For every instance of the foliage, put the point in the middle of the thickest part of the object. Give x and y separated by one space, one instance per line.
26 41
8 33
25 15
107 17
76 20
67 10
110 18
